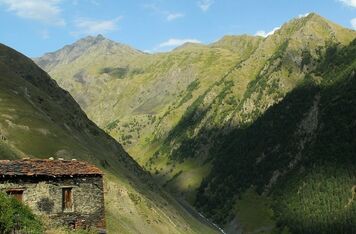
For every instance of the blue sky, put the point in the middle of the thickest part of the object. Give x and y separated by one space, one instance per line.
34 27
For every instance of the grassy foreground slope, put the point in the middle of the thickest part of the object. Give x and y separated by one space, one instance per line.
39 119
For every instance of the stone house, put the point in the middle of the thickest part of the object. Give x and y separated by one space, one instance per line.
67 192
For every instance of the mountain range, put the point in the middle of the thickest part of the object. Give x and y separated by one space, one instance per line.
257 133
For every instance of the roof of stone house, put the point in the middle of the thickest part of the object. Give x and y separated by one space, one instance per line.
47 167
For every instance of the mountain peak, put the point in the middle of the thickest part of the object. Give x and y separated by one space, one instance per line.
189 45
92 39
313 28
84 46
314 17
100 37
237 43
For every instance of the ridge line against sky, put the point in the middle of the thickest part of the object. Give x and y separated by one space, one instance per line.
38 26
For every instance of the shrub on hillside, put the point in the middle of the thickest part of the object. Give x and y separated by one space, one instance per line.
16 216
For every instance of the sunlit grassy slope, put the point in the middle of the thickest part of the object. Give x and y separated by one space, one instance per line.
39 119
176 113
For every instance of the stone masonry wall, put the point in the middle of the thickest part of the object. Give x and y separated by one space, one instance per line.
44 196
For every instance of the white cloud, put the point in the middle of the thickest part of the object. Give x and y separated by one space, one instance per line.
93 27
204 5
171 44
45 11
77 2
303 15
353 23
174 42
262 33
351 3
174 16
170 16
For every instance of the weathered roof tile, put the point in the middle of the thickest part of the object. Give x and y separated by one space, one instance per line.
46 167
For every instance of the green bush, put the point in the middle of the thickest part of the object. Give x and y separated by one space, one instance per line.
16 216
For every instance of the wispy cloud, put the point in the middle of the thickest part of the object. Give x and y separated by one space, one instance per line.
92 27
174 16
94 2
45 11
351 3
204 5
171 44
262 33
174 42
303 15
353 23
169 16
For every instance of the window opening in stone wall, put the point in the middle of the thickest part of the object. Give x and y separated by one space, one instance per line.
16 193
67 203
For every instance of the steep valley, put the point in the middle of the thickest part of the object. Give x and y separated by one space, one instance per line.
41 120
245 117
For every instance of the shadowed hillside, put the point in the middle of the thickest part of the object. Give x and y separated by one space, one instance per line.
300 153
39 119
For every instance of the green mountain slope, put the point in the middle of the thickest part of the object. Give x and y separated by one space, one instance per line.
300 153
39 119
199 112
